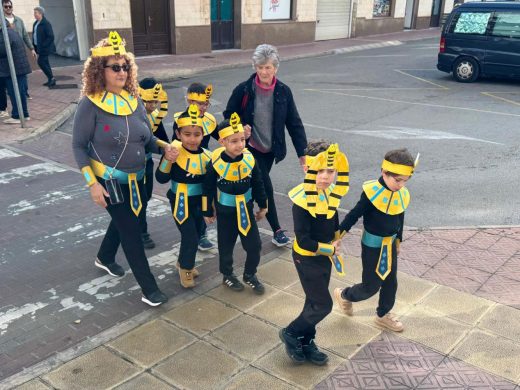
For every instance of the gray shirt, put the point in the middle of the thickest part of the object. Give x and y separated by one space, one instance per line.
262 132
19 26
95 129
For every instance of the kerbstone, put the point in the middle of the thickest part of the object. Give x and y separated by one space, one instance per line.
98 369
307 376
151 342
456 304
492 353
35 384
342 335
433 329
201 315
278 273
246 336
199 366
280 309
504 321
253 378
144 381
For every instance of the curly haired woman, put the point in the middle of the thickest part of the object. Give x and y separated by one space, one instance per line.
111 136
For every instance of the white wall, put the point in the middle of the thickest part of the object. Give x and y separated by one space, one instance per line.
111 14
425 8
192 13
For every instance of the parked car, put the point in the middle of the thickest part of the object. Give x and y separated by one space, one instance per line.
481 39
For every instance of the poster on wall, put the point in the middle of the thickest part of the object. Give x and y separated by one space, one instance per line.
276 9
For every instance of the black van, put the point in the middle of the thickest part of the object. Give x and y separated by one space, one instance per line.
481 39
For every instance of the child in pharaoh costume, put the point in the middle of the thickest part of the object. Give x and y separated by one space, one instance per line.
235 180
155 101
382 206
186 174
315 248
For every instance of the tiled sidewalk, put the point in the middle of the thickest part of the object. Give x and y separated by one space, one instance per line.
223 339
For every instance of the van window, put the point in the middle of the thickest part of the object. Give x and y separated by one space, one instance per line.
506 24
470 23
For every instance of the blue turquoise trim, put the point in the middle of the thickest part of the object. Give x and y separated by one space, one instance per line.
194 189
377 193
373 241
87 177
245 162
230 200
122 177
148 156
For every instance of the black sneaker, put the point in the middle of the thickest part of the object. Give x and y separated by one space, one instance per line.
232 282
254 283
313 354
154 299
148 243
113 269
51 83
293 346
279 238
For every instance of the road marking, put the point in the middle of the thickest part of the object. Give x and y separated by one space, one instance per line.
379 89
420 79
501 98
7 317
6 153
395 132
29 171
380 55
417 103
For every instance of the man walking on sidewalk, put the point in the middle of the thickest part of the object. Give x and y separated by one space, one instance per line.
43 39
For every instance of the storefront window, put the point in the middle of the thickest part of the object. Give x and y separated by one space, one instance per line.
276 9
382 7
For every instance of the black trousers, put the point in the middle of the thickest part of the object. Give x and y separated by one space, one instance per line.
190 233
371 283
124 229
3 94
45 66
227 230
265 163
314 273
147 193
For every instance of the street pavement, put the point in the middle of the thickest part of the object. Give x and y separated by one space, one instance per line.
66 325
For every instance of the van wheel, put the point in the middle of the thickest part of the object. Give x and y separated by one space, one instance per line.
465 70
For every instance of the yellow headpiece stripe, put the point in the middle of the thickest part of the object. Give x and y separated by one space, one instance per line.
234 127
201 97
154 93
192 120
115 48
397 169
324 160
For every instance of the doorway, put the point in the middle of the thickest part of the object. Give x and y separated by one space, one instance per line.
222 31
436 13
150 26
409 20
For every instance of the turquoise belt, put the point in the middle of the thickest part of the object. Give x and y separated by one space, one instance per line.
148 156
373 241
230 200
193 188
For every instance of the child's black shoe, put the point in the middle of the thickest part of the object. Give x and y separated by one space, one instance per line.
254 283
313 354
232 282
293 346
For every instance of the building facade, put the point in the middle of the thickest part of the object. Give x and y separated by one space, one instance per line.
155 27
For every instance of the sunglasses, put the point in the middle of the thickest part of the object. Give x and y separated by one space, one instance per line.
8 6
118 68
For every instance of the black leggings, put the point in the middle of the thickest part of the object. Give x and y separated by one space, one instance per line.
371 283
265 163
314 274
227 230
124 229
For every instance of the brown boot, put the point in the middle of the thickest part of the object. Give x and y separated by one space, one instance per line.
186 276
344 304
389 321
195 272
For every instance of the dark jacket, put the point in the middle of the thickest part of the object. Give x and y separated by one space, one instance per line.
21 63
45 37
285 114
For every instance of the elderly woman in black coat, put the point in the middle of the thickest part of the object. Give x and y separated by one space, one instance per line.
266 107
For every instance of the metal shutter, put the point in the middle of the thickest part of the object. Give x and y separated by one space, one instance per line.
333 19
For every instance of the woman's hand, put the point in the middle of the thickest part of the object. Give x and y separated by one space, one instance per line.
302 162
260 214
336 244
210 220
247 131
98 193
171 153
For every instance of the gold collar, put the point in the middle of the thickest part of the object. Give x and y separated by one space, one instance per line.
236 170
122 104
386 201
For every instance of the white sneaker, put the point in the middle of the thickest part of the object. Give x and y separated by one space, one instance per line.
12 121
3 114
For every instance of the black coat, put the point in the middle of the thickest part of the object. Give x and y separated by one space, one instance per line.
21 63
285 114
45 37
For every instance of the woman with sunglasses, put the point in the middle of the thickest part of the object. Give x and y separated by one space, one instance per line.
111 136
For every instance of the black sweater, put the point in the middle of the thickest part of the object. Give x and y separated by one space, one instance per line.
310 231
374 221
212 181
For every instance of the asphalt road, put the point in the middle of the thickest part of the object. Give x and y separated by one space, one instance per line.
380 99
